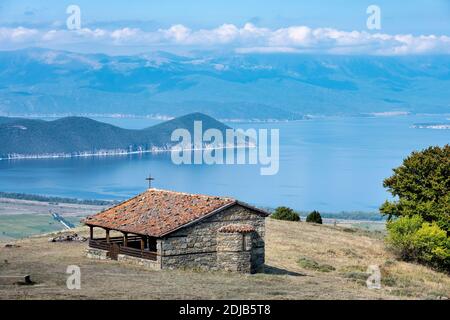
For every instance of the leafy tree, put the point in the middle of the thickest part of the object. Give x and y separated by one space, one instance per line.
285 213
314 217
422 187
420 230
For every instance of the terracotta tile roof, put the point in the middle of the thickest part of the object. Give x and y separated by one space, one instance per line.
158 212
237 228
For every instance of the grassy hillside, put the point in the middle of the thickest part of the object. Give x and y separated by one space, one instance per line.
76 135
304 261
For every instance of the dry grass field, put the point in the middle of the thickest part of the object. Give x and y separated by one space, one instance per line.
304 261
21 218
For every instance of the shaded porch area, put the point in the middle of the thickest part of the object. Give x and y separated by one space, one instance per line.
138 246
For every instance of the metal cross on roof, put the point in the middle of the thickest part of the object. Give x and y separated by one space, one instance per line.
150 179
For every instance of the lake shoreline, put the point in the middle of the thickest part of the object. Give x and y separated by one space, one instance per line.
112 153
329 165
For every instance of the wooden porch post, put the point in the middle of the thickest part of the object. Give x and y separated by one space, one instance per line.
125 239
142 244
107 235
91 232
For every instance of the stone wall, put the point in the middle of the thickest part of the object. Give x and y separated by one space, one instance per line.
148 264
234 252
196 246
257 259
96 254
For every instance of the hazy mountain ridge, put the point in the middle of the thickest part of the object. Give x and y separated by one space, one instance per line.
77 136
230 86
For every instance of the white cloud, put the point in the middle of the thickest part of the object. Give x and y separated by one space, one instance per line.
293 36
246 39
177 33
17 35
248 50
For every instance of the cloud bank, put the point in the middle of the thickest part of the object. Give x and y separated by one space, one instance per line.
246 39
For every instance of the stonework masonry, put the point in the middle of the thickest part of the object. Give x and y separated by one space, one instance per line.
148 264
234 252
96 254
202 246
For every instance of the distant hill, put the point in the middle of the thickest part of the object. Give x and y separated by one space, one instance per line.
224 86
72 136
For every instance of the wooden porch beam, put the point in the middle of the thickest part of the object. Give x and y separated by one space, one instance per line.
91 232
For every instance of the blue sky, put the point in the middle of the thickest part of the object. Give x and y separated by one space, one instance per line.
416 17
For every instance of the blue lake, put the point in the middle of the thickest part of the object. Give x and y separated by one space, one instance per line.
329 164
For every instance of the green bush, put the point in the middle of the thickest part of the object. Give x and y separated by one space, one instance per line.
401 236
314 217
413 239
433 245
285 213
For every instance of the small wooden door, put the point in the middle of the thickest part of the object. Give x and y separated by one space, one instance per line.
114 251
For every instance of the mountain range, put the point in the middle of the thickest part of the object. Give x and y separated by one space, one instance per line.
226 86
74 136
